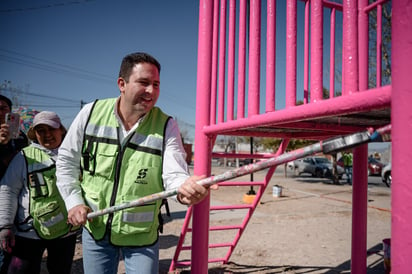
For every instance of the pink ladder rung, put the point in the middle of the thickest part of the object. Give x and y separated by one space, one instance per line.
249 207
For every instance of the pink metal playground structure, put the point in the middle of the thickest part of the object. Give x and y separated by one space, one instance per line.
237 48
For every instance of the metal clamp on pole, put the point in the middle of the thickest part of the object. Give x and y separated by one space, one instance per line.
345 142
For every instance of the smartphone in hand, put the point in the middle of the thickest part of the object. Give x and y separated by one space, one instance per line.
13 120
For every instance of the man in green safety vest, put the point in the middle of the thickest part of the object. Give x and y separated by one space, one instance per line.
118 150
347 164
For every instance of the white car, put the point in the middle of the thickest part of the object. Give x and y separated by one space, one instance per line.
291 165
387 175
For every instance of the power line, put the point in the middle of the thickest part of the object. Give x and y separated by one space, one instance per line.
19 91
46 6
20 98
55 106
56 64
54 67
50 97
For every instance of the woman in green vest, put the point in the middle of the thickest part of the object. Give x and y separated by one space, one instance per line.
33 216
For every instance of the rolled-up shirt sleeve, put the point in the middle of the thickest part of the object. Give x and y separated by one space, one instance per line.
68 161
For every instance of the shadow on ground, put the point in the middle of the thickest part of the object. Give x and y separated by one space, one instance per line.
376 267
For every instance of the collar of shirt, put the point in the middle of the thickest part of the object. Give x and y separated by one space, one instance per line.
123 133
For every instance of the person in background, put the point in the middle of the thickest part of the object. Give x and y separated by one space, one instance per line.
128 148
33 216
8 148
347 164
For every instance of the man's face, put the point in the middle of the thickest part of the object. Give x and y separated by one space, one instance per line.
141 92
4 108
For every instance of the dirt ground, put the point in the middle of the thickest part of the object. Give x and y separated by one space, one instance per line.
306 230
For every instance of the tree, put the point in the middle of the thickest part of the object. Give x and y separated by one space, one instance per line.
326 93
386 45
274 143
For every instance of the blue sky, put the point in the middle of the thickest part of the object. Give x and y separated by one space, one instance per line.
73 49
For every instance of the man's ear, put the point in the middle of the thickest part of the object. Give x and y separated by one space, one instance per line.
121 83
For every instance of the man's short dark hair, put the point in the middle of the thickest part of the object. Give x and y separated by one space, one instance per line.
7 100
130 60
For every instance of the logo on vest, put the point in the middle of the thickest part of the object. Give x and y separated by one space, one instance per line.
141 175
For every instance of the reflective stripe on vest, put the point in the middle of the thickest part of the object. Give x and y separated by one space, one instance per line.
129 217
150 144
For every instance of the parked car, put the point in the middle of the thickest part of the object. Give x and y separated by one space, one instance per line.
291 165
316 166
387 175
244 162
231 162
374 166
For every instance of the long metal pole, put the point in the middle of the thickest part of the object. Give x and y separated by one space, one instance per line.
326 146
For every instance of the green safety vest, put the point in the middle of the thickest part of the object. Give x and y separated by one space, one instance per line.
347 159
112 175
47 207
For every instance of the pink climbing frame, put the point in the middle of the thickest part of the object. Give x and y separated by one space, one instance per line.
234 52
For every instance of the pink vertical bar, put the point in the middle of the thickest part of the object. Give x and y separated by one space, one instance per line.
363 45
332 53
379 45
291 40
316 49
222 62
271 55
231 61
254 58
360 185
214 62
200 236
401 239
359 209
179 245
242 60
306 56
349 46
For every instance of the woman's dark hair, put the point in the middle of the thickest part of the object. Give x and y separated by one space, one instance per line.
130 60
7 100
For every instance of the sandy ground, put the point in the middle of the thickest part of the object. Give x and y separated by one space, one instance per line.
306 230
